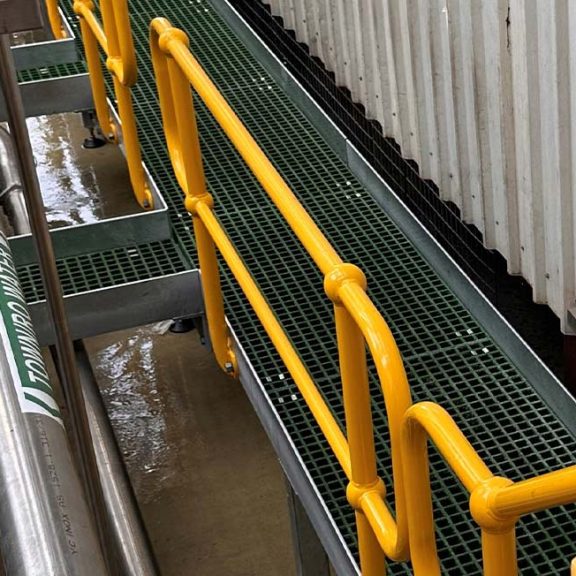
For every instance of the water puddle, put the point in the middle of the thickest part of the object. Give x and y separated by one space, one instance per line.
204 474
163 393
137 410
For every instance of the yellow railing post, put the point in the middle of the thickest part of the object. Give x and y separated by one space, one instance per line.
115 39
499 552
179 120
55 19
392 535
96 75
496 503
356 398
498 531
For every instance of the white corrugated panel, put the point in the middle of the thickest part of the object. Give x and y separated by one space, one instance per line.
482 94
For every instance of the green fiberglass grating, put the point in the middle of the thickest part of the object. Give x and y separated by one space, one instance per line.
51 72
104 269
449 357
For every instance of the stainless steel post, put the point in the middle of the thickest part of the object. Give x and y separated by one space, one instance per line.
79 429
45 524
134 551
11 191
309 554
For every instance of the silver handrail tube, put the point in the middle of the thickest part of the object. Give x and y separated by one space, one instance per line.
11 190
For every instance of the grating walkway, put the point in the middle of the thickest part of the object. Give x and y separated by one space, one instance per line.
449 357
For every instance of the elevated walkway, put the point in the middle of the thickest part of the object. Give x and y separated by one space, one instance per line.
514 413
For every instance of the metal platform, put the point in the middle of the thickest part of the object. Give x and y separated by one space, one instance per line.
50 52
450 357
140 228
57 82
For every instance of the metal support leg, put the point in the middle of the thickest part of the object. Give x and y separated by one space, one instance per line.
90 122
311 559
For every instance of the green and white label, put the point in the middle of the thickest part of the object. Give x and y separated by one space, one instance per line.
19 340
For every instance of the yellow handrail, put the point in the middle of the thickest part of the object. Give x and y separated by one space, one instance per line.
310 393
114 37
55 20
496 503
357 319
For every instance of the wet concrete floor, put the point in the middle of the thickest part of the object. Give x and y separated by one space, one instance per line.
208 483
78 185
207 480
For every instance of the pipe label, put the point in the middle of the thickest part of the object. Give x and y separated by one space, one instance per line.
17 334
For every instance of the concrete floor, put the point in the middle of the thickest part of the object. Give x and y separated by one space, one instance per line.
78 185
210 489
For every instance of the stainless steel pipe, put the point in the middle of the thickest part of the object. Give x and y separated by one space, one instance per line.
11 190
133 553
127 546
80 437
45 524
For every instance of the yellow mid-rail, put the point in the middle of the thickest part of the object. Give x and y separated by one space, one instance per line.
496 503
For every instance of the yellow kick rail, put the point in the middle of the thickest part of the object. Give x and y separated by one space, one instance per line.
496 503
115 39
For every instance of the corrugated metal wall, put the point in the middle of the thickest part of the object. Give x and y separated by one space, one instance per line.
482 94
